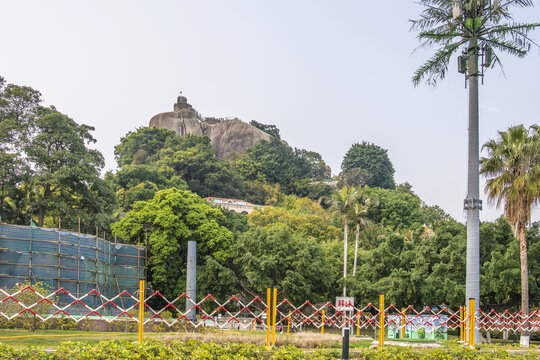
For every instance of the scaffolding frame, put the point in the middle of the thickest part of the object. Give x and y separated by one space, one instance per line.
78 263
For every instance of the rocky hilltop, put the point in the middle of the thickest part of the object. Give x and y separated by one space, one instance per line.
227 136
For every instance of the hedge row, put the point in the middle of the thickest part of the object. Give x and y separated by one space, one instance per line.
193 350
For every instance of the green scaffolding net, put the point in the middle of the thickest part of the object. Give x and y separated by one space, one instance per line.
78 263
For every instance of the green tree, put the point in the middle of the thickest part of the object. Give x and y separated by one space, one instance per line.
275 256
140 183
300 216
269 129
315 190
500 266
417 270
396 209
171 219
262 193
142 145
480 27
319 169
194 160
513 172
369 163
66 171
276 163
357 177
18 110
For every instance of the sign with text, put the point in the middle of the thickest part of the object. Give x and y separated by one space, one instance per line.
344 303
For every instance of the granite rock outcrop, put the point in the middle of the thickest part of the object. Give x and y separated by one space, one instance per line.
227 136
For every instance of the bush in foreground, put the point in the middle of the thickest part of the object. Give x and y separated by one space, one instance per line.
197 351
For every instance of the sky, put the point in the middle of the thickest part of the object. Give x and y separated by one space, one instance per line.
328 74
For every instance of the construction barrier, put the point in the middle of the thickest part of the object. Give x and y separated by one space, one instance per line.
78 263
252 314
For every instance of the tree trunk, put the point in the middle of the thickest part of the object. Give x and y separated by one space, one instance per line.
345 238
41 216
473 194
2 202
356 249
525 338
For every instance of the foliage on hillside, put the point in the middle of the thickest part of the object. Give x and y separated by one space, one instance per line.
412 252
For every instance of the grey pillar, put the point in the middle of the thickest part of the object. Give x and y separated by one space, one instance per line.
473 204
191 280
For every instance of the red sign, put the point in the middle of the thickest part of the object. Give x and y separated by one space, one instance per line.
345 303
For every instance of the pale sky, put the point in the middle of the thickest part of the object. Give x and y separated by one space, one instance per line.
327 73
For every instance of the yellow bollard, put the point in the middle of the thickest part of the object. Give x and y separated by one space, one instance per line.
461 334
274 318
289 324
381 320
141 310
403 323
358 324
268 316
322 321
471 322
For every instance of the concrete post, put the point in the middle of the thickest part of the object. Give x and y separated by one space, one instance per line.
191 280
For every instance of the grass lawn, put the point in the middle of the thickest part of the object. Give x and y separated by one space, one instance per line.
49 338
52 338
305 340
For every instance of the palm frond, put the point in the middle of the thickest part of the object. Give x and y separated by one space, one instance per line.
506 46
513 171
432 15
436 67
437 27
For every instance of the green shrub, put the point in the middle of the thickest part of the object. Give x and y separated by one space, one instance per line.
194 350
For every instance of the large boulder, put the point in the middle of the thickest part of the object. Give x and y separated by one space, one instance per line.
228 137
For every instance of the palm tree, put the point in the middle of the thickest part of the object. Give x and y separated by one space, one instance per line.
359 216
513 172
342 202
480 28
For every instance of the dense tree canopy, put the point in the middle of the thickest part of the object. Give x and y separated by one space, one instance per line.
167 222
65 170
277 163
277 257
194 160
298 215
368 164
19 107
48 169
412 252
140 183
142 145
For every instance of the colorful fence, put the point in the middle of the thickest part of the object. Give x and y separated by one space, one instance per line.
236 313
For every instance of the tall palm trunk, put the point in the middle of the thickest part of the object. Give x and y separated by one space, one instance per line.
356 249
524 340
473 194
345 238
